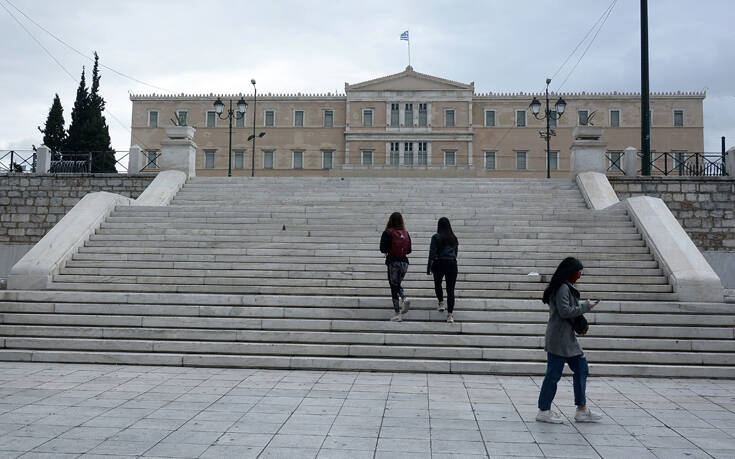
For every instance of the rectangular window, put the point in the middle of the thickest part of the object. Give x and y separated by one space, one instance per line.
616 161
521 163
394 110
239 159
367 158
554 160
183 116
408 153
209 159
151 159
298 160
267 160
270 118
328 118
490 160
423 154
450 158
678 118
240 120
449 118
367 117
395 154
327 159
408 115
152 119
423 118
614 118
553 119
211 119
520 118
298 118
489 118
583 117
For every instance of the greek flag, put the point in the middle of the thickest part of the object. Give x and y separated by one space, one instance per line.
404 35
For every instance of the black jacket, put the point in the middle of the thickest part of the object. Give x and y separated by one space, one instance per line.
386 241
443 255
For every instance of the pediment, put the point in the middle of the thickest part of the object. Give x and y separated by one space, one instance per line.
409 80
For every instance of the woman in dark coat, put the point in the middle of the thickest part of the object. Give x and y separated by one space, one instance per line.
561 343
443 264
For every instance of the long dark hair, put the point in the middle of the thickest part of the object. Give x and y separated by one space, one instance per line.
395 221
564 271
446 235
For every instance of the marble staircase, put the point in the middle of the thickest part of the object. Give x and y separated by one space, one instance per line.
286 273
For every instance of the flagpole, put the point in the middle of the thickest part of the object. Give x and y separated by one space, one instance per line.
409 51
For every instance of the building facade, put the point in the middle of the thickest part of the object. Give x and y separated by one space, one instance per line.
408 124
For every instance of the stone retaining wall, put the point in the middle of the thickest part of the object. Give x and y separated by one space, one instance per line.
31 204
704 206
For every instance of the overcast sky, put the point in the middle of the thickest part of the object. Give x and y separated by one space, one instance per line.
218 46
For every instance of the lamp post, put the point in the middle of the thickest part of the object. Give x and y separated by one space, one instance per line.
219 107
559 108
255 114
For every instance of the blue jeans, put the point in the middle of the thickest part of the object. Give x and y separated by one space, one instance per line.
554 368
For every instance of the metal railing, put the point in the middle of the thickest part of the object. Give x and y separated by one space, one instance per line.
673 163
87 162
17 161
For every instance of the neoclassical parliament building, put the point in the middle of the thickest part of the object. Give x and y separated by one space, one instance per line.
409 124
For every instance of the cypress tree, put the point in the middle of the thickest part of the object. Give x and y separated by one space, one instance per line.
99 132
75 138
54 136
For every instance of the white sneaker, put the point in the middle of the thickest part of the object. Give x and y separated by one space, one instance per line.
396 318
586 416
450 319
441 307
549 416
405 304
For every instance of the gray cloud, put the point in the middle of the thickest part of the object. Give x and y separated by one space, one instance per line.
189 46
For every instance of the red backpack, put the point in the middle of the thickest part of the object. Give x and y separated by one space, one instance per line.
400 243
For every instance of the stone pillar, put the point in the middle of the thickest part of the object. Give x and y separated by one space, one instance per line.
730 162
587 153
469 153
630 162
178 152
43 160
134 159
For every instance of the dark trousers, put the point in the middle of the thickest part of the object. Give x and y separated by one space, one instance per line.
554 368
396 272
451 278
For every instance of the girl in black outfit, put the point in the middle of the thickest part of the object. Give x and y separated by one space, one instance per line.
443 263
395 243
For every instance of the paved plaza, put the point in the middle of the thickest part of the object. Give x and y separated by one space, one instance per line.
67 410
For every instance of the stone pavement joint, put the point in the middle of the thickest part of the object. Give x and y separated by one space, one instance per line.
71 410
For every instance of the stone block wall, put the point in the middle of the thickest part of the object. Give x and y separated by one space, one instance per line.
30 205
704 206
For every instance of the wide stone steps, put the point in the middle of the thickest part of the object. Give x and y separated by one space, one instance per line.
311 332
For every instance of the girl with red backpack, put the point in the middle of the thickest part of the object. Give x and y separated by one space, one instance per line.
395 243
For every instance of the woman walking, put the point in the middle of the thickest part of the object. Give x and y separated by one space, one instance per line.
443 264
395 243
561 343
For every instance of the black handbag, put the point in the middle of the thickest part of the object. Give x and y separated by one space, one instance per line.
580 325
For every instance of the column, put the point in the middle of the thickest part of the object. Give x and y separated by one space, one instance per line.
178 152
469 153
43 160
134 159
400 153
428 153
630 162
387 153
347 153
